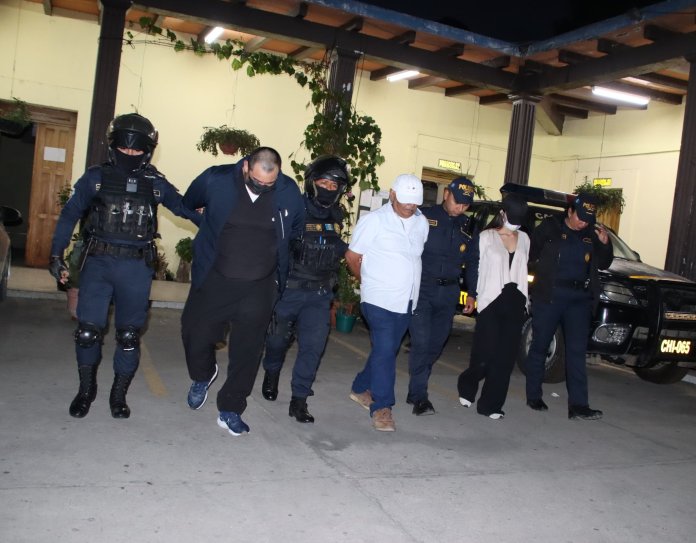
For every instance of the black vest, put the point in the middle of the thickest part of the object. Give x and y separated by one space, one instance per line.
317 256
124 208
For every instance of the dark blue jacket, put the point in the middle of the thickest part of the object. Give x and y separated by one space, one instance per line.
449 248
215 191
86 189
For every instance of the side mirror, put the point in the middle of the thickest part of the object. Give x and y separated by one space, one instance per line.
637 255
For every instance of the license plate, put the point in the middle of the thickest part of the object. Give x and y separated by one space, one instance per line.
676 347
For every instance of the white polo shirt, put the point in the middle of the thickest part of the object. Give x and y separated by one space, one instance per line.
391 249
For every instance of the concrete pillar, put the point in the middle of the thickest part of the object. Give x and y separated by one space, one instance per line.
521 138
681 248
113 20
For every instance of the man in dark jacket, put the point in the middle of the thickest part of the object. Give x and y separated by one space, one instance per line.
118 201
240 264
564 257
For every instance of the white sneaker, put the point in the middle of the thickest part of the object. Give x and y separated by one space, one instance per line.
496 416
464 402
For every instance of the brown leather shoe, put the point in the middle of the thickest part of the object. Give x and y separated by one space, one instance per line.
382 420
362 398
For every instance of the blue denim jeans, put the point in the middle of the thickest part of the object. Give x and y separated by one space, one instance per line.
387 329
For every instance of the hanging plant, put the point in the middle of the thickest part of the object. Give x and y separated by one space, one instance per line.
336 128
607 199
15 120
230 141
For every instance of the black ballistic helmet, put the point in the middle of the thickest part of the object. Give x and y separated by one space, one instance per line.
132 131
326 167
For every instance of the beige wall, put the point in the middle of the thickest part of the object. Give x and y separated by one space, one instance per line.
50 61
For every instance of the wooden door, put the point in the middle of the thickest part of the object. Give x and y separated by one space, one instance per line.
53 155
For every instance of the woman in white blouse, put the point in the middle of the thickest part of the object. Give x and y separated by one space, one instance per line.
502 305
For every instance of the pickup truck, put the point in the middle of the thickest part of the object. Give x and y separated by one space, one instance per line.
646 317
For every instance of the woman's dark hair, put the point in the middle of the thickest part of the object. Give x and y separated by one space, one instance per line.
497 222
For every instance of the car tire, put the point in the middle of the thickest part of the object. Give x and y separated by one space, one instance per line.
554 371
662 373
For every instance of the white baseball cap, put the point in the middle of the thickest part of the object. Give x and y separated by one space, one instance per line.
408 189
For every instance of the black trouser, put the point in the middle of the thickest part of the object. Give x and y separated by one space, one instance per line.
247 306
496 341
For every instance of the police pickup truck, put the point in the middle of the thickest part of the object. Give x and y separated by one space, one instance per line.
646 317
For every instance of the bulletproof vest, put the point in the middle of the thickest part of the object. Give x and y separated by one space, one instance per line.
317 255
124 208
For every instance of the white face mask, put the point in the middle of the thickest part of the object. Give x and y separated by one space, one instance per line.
509 226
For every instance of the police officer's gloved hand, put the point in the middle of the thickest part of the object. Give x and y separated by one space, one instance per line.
59 269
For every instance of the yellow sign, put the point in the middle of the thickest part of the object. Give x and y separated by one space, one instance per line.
602 181
675 346
449 164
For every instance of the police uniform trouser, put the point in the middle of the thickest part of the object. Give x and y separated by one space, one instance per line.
494 350
430 327
125 280
247 306
302 314
572 309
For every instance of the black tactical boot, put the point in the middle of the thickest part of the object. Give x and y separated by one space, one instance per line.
269 388
117 398
298 409
88 391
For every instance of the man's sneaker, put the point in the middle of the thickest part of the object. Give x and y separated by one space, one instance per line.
464 402
362 398
198 393
232 422
583 412
382 420
423 407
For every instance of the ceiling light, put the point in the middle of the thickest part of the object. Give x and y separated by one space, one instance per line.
214 34
621 96
402 75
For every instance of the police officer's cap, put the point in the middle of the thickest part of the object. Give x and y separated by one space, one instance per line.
462 188
586 207
132 131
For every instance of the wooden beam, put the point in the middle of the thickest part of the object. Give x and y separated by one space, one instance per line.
353 25
255 21
572 111
382 73
461 89
664 80
623 62
579 103
254 44
48 7
493 99
549 118
426 81
658 96
497 62
406 38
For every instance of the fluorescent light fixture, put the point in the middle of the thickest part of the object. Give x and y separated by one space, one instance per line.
214 34
402 75
627 97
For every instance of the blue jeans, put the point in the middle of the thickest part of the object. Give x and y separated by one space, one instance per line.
387 329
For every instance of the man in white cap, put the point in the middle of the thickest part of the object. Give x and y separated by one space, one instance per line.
385 254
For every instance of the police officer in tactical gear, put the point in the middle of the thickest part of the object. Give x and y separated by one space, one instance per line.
303 310
116 203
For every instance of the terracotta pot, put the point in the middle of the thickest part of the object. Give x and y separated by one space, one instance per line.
228 148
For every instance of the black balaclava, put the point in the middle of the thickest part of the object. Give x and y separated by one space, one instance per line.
127 163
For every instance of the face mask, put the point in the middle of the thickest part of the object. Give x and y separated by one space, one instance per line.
128 163
256 187
507 225
325 197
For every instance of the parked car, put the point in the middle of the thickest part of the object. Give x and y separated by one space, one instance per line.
8 217
646 317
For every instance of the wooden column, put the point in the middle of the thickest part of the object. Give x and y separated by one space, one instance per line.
113 21
342 75
681 247
521 138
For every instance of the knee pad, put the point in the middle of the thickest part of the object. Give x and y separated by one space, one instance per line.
87 334
128 338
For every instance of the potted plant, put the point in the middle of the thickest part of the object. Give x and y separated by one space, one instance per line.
15 120
348 299
184 250
230 141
